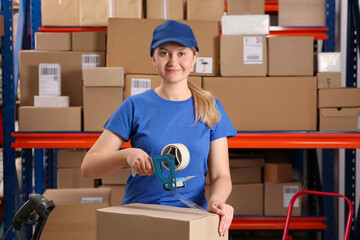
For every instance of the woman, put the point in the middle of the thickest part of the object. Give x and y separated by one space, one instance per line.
175 112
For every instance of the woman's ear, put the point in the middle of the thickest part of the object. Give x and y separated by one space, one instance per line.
196 55
153 61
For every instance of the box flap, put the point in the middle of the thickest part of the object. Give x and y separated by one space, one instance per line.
339 112
159 211
78 195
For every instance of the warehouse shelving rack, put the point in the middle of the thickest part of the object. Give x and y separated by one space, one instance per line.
38 149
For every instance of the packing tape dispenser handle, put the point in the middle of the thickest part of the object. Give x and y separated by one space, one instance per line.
181 153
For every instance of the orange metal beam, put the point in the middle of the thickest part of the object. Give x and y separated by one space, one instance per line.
271 6
317 32
242 140
277 223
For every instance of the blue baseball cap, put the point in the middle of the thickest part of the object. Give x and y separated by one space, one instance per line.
173 31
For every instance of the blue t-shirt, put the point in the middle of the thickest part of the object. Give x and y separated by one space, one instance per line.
151 123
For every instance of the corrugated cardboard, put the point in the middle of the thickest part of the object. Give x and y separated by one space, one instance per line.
45 41
246 199
94 13
239 7
117 193
339 119
104 77
129 8
291 56
278 172
302 13
339 97
2 27
71 74
89 41
240 175
69 158
156 222
246 162
329 80
205 10
119 177
165 9
242 55
70 218
49 119
99 104
60 13
135 84
277 197
72 178
268 103
131 49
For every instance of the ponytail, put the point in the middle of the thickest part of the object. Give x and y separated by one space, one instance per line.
205 106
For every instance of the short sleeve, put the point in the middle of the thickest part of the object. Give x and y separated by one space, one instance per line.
121 120
224 128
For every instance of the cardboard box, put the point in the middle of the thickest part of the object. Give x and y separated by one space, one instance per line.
246 162
246 199
72 178
302 13
104 77
69 158
268 103
339 97
74 214
60 13
134 54
245 24
99 104
240 175
291 56
206 10
150 222
240 7
94 13
32 119
339 119
51 101
45 41
117 193
71 63
135 84
277 198
128 8
278 172
119 177
165 9
329 79
2 27
89 41
242 55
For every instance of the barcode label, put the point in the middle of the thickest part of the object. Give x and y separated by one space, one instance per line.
289 192
91 200
90 61
49 79
253 50
139 85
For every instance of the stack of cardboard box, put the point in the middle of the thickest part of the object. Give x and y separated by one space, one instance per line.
117 183
71 53
338 107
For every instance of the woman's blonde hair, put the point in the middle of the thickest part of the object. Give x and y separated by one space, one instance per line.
204 105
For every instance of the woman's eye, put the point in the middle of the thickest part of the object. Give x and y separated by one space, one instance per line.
182 54
163 54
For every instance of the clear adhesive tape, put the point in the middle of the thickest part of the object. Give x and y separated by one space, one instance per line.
181 153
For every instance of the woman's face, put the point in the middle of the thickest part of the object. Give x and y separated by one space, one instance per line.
173 61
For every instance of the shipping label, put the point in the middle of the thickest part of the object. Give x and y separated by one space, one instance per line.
289 192
49 79
253 50
139 85
91 200
90 61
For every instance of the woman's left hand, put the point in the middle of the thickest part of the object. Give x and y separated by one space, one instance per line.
226 213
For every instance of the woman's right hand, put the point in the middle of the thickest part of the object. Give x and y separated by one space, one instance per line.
140 161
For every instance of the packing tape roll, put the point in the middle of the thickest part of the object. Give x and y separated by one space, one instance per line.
181 153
